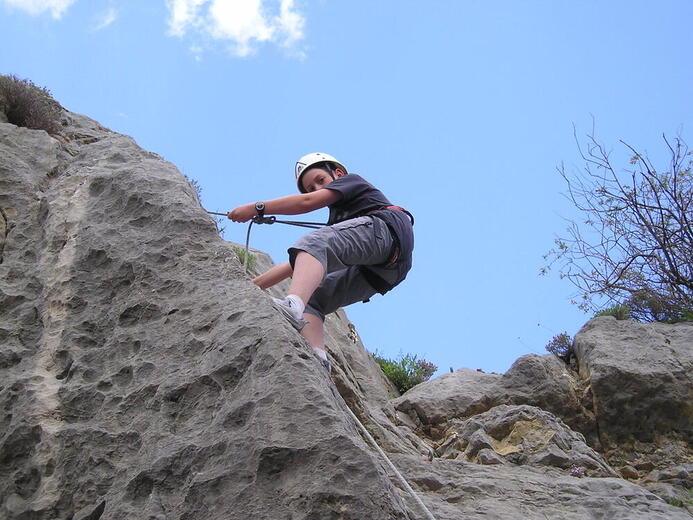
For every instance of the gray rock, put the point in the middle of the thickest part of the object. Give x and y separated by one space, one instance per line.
489 457
522 435
141 368
142 375
641 377
542 381
461 394
456 489
547 383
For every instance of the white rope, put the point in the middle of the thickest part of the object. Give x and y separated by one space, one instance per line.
406 485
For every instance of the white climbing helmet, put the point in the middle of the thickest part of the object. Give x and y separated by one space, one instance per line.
312 159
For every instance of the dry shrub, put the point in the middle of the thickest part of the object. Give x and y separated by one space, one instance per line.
29 106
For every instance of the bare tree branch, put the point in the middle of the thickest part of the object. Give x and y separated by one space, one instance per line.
635 243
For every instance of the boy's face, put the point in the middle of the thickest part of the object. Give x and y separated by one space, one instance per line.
317 178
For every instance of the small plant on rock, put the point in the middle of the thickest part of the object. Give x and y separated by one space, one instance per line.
620 312
407 371
578 471
29 106
241 255
561 345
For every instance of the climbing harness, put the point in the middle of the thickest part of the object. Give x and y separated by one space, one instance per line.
261 219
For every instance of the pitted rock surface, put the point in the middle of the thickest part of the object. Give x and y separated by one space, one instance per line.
142 374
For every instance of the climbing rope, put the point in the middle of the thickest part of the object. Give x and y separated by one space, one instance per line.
261 219
401 478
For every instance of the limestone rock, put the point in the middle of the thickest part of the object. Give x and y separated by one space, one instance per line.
522 435
641 377
542 381
460 394
546 382
140 367
456 489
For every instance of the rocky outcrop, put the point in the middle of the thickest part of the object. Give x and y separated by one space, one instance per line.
644 369
142 375
542 381
521 435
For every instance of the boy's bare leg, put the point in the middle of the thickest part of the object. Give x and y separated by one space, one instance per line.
308 273
313 331
273 276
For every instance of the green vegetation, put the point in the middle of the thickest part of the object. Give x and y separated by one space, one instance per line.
644 304
195 186
620 312
29 106
685 500
407 371
240 254
561 345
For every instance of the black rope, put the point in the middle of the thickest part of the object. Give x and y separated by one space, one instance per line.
258 219
261 219
272 220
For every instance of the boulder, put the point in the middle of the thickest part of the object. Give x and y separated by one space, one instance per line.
641 378
456 489
460 394
542 381
522 435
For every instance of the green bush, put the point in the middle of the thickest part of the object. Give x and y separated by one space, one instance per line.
620 312
29 106
240 254
647 305
685 500
407 371
561 345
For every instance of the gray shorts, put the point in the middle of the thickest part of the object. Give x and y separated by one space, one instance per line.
342 249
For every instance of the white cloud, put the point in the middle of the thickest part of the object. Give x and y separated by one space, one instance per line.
107 19
244 23
36 7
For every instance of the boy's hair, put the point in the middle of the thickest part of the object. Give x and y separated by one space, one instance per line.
327 166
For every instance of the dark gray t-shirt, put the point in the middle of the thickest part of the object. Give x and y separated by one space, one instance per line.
360 198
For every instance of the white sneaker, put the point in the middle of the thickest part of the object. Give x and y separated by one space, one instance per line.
290 313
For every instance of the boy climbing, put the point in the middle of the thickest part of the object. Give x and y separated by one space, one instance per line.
365 248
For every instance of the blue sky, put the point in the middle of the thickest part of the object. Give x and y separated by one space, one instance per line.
458 110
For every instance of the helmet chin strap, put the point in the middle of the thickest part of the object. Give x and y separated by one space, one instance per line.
329 169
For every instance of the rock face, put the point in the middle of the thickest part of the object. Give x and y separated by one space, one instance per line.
646 369
142 375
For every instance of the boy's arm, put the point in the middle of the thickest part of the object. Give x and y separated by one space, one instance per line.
289 205
273 276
